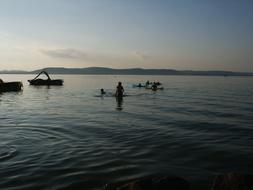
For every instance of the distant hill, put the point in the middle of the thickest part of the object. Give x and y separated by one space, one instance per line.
13 72
131 71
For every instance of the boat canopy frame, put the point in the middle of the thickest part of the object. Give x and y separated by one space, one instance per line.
43 72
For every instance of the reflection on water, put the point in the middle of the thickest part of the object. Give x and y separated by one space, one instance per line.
71 137
119 101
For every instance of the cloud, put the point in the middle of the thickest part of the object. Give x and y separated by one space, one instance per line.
141 56
66 53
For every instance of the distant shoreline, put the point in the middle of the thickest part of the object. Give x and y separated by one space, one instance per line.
131 71
245 76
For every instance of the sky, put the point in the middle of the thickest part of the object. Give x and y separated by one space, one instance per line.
164 34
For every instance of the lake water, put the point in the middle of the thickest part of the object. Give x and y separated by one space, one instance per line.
71 138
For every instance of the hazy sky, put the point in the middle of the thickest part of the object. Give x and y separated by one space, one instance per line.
176 34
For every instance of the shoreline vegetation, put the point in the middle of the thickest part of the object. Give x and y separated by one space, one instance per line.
130 71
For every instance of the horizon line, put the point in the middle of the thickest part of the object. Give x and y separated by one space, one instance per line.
141 68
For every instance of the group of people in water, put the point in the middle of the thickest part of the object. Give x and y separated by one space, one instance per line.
150 85
118 94
120 89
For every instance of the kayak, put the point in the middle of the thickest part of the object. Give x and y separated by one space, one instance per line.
47 82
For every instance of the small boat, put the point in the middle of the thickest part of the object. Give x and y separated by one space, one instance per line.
47 82
10 86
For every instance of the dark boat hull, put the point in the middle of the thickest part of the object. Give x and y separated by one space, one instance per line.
41 82
11 86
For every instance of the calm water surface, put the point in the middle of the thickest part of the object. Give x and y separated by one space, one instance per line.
71 138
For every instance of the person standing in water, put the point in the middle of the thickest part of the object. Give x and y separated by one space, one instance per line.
119 90
102 91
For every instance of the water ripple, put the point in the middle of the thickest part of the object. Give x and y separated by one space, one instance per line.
68 138
7 152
